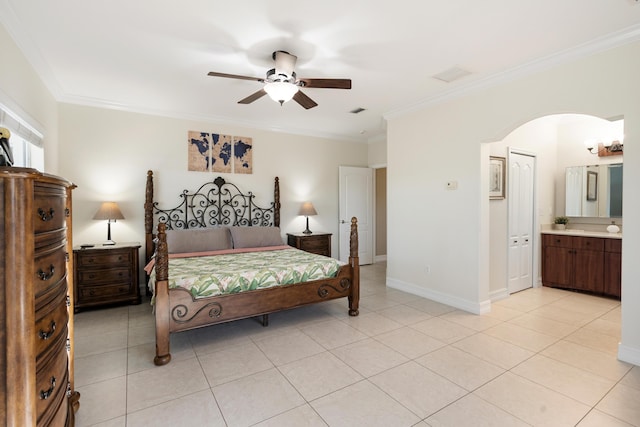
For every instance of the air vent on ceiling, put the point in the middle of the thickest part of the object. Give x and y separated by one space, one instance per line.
357 110
452 74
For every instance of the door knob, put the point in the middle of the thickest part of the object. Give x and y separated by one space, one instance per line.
342 221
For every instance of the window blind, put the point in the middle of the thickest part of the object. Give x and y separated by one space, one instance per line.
19 127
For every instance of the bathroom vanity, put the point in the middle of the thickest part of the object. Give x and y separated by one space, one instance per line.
582 260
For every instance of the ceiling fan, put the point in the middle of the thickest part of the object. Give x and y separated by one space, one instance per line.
282 84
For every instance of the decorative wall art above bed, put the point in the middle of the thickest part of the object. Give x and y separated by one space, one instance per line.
213 152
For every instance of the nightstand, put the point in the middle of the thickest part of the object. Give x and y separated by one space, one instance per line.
106 275
317 243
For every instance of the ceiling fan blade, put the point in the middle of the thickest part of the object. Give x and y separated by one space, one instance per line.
234 76
285 62
327 83
254 96
304 100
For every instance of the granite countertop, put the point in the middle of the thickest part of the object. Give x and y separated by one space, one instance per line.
585 233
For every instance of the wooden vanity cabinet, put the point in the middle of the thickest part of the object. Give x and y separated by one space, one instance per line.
581 263
613 267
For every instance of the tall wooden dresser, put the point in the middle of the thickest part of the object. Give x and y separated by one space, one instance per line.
36 322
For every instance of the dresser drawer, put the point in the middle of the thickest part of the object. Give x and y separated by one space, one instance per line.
94 277
51 385
49 208
51 327
50 269
104 258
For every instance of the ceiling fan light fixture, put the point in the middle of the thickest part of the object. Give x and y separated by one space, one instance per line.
281 92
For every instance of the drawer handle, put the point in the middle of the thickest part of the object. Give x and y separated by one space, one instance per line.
44 275
46 216
46 335
44 395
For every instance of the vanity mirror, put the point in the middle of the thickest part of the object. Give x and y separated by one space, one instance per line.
594 191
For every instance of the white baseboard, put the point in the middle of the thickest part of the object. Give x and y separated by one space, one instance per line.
380 258
460 303
499 294
629 354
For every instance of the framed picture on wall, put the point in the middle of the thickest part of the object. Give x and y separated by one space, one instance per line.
592 186
497 171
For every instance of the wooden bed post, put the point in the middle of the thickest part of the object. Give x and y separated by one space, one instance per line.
148 218
354 261
276 203
163 355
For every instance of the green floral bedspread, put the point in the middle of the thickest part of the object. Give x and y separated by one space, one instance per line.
227 274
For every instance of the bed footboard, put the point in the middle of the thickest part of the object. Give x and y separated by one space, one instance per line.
176 310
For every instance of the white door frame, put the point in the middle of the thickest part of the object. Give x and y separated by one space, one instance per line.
535 244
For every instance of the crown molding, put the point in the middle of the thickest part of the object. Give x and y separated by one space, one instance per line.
221 120
625 36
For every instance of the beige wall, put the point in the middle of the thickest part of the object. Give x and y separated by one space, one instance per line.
107 154
452 237
378 152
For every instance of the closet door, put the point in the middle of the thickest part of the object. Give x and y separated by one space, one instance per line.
521 179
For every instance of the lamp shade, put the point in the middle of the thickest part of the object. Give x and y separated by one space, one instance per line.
281 91
109 210
307 209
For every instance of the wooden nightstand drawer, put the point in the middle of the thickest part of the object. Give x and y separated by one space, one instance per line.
106 275
106 293
113 275
104 258
317 243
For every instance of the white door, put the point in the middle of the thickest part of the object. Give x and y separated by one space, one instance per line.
356 199
521 209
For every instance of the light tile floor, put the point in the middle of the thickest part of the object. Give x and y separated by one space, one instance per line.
541 357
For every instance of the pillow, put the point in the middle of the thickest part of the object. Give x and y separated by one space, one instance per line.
255 237
199 240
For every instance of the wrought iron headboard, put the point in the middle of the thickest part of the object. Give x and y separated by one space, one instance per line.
215 203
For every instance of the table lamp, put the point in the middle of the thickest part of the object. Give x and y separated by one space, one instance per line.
307 210
111 212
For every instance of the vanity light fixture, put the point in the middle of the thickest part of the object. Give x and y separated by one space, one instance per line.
605 147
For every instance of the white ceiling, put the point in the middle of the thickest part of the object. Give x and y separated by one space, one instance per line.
153 56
